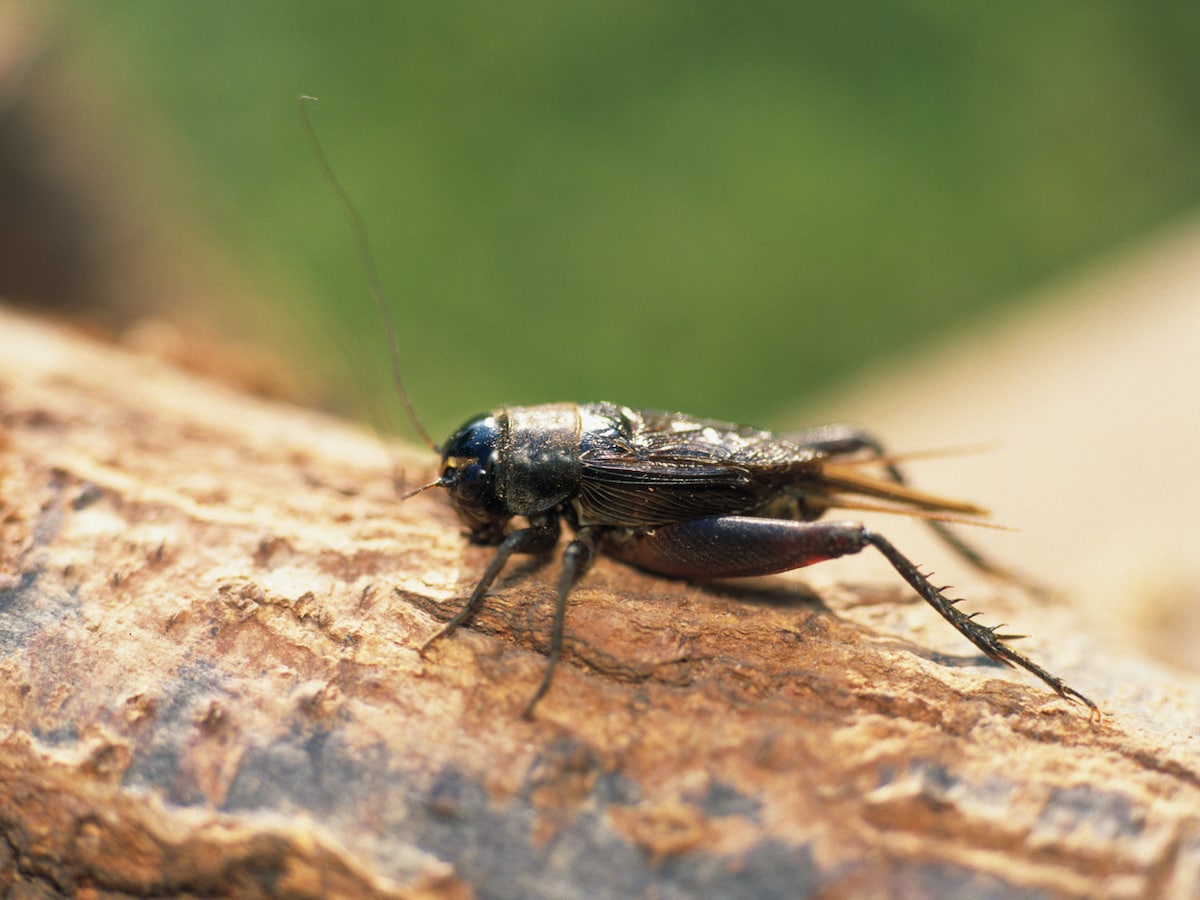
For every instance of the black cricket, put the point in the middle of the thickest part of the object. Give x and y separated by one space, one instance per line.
671 494
684 497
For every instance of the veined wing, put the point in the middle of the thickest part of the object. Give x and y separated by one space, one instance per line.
668 468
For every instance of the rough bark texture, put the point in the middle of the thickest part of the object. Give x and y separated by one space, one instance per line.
209 683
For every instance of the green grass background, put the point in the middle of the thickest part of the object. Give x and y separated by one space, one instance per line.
714 207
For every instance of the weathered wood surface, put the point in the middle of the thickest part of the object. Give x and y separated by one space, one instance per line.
209 614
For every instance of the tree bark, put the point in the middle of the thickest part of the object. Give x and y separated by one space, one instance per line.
210 609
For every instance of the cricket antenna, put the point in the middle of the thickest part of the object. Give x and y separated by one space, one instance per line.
364 246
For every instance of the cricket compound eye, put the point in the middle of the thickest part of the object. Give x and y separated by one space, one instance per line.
468 463
472 481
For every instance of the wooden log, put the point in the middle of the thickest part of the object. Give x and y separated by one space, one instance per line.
209 612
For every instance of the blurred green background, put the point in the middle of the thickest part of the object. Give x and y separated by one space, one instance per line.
701 206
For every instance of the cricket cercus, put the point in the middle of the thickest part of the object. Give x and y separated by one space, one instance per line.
672 494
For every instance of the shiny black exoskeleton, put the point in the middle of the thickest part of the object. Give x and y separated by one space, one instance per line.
685 497
693 498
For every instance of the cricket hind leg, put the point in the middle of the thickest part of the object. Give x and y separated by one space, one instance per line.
743 546
845 440
985 638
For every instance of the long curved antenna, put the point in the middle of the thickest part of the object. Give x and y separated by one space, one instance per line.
364 246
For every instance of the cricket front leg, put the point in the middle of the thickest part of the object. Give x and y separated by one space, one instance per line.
539 537
742 546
